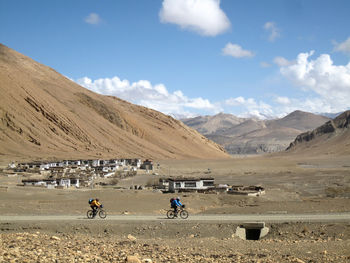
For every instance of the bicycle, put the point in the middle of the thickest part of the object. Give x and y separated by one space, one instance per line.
101 213
171 214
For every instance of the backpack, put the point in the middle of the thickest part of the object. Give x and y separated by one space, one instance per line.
90 201
171 200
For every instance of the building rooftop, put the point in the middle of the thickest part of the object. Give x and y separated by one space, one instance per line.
182 179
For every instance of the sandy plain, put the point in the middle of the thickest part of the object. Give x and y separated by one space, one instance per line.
294 184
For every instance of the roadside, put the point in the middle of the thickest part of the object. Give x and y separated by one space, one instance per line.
224 218
106 241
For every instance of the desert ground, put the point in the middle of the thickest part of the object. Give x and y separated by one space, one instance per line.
294 185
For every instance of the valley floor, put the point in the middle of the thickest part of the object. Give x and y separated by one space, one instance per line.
294 184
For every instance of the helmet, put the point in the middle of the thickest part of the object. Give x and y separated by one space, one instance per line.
178 198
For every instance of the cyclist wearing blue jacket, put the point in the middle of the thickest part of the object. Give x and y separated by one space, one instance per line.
176 203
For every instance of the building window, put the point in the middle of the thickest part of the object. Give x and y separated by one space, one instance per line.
209 183
190 184
177 185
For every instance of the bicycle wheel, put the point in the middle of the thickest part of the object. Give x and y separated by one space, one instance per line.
170 214
183 214
102 213
90 214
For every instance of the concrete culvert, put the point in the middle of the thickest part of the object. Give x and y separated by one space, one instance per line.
252 230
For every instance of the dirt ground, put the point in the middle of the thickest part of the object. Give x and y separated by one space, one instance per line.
108 241
293 185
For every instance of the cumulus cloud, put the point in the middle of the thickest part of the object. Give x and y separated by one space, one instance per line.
283 100
250 107
236 51
282 62
202 16
309 104
272 29
343 46
144 93
93 19
324 87
331 83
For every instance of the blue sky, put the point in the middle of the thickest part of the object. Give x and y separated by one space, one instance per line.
189 57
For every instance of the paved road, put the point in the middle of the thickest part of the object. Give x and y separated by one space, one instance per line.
330 217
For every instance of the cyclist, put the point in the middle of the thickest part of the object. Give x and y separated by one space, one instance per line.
95 204
176 203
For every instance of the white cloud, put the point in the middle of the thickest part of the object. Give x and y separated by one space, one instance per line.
273 30
343 47
235 101
202 16
236 51
330 82
93 19
144 93
283 100
250 108
282 62
324 87
311 104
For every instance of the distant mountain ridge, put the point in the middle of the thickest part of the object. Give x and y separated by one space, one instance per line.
331 115
253 136
44 115
331 137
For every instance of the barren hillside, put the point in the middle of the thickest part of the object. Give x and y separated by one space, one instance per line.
331 138
251 136
213 124
44 115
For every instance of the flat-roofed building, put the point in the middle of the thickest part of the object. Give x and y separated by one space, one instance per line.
190 184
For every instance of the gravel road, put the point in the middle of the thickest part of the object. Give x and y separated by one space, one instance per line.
280 218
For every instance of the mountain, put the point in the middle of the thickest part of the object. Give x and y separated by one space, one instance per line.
44 115
331 115
331 137
300 120
210 124
251 136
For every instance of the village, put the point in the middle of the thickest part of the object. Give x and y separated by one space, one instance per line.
79 174
76 173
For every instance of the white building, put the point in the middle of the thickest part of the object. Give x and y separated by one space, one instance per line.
190 184
68 182
39 182
65 182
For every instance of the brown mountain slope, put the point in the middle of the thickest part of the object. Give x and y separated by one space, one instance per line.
44 115
211 124
251 136
331 138
300 120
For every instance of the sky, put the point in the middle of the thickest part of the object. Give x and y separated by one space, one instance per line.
251 58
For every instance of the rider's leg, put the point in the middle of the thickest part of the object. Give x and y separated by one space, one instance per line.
94 209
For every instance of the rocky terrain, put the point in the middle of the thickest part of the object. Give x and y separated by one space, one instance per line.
332 137
294 183
99 241
44 115
251 136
